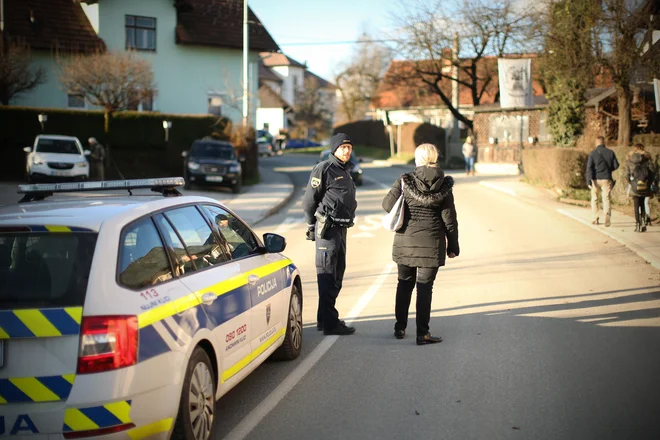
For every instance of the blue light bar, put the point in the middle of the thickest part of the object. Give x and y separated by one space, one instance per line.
154 184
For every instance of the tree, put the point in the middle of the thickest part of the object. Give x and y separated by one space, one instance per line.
484 27
358 79
621 31
16 75
112 80
568 66
310 107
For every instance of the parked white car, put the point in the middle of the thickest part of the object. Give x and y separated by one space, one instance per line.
124 317
56 158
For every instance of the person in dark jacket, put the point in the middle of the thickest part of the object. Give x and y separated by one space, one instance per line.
97 158
329 205
429 232
642 175
601 164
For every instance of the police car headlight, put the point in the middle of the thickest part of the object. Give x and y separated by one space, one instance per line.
193 166
235 168
36 160
81 164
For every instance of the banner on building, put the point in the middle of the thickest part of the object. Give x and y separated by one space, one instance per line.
656 88
515 77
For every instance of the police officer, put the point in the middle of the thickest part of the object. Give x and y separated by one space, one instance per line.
329 204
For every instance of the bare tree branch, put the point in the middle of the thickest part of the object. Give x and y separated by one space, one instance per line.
16 75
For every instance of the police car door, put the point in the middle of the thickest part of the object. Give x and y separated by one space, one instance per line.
265 276
43 284
212 276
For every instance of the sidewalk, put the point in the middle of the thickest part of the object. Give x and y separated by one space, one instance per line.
259 201
646 244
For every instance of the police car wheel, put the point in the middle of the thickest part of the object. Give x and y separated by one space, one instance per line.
292 345
197 405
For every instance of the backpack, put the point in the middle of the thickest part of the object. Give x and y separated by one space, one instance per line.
642 177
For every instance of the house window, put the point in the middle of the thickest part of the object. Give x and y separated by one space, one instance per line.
144 104
215 105
140 33
76 101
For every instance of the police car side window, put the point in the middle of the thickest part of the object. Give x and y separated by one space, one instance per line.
197 237
142 258
239 238
183 262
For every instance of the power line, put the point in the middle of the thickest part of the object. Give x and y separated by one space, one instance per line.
331 43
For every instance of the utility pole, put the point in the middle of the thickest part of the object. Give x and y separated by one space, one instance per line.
246 52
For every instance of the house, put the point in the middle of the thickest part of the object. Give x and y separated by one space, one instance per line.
53 29
195 48
400 100
282 75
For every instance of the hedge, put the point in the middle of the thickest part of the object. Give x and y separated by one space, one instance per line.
560 167
648 140
129 131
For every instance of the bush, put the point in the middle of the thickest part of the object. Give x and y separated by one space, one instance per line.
648 140
561 167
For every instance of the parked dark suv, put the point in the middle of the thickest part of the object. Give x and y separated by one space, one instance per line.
211 162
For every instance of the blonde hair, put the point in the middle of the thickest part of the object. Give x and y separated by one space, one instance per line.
426 155
468 140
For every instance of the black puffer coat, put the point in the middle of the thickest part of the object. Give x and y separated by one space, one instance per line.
430 228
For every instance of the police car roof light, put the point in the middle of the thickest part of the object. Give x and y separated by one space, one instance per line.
165 186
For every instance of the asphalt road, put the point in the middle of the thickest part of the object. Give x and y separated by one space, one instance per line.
551 331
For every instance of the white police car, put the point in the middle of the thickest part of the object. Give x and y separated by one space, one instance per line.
128 316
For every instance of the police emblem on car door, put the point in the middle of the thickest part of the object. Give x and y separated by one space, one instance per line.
268 314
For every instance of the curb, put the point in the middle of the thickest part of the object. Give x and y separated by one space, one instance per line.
282 203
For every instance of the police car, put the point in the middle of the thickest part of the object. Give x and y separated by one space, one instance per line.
128 316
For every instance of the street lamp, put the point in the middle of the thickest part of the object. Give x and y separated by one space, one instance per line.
43 118
167 125
246 51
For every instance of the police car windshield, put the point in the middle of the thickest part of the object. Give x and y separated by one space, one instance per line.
44 269
213 150
63 146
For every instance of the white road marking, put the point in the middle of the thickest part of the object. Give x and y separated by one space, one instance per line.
498 188
371 223
288 224
377 183
250 421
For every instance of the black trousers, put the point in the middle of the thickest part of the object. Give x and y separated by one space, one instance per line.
330 268
423 277
640 209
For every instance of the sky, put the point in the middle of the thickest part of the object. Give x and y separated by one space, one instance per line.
310 21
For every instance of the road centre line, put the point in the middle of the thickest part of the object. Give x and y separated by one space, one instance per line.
249 422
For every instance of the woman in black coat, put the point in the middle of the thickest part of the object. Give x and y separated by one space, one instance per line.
429 232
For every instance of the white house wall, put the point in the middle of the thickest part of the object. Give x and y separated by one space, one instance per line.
184 75
274 117
49 94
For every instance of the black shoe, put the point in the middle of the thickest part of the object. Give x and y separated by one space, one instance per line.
638 227
319 327
643 229
647 221
340 329
399 334
428 339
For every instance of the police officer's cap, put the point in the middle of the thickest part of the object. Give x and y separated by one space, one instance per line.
338 140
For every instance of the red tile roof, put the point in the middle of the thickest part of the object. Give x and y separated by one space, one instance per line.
394 93
50 24
279 59
219 23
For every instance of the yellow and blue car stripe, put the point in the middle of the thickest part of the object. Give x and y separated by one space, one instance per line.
97 417
36 389
40 323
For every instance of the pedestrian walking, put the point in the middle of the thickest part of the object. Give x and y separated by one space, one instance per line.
97 159
429 232
643 177
601 164
470 154
329 205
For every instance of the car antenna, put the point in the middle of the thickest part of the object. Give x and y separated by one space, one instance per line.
121 176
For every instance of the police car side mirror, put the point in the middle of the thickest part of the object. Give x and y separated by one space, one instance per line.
87 152
274 243
27 149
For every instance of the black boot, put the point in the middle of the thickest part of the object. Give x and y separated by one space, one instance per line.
647 221
404 290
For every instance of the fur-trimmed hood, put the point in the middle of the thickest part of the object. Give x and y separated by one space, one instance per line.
428 187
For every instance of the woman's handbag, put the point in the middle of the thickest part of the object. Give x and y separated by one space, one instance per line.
393 220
